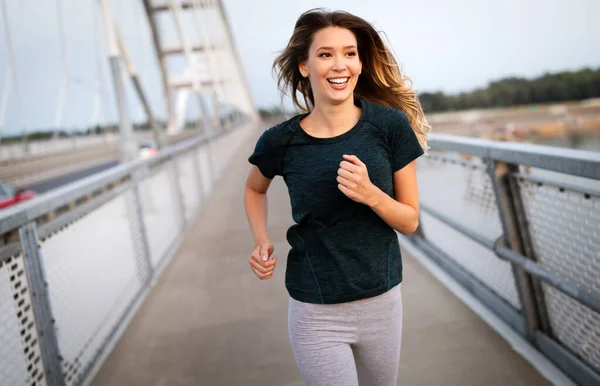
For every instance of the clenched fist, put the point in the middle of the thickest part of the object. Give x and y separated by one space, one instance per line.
259 261
353 180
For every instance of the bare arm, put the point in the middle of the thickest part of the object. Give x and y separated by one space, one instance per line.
402 211
255 202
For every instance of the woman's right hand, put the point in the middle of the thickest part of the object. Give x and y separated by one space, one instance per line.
259 261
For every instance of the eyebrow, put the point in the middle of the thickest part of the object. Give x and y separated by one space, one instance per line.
330 48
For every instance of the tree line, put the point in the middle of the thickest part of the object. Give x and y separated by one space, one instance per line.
47 134
512 91
550 87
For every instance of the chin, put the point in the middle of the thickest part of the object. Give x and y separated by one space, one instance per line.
338 99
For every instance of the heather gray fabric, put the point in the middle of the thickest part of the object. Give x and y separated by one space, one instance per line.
348 344
340 250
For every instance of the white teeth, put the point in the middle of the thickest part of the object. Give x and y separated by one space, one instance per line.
338 80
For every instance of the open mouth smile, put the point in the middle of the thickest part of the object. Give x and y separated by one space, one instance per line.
338 80
338 83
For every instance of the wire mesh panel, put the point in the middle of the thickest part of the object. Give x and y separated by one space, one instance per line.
461 189
92 269
20 360
496 274
565 231
97 254
190 184
161 212
574 325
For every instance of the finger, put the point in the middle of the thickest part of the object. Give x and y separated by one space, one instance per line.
256 273
266 250
265 270
260 275
264 253
346 183
349 167
354 159
345 174
256 257
345 190
264 265
257 266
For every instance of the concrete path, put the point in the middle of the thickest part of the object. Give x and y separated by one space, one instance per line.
209 321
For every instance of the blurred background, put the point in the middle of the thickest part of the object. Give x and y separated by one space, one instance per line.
534 63
124 131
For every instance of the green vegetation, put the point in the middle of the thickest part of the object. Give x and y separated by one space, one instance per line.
513 91
44 135
270 112
557 87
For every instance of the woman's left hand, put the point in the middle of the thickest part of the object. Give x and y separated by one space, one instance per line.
353 180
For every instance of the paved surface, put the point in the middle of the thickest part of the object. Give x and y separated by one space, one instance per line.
42 187
209 321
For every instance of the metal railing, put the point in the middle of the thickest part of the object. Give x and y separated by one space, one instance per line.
76 262
519 226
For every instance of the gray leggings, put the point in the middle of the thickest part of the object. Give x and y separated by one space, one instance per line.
348 344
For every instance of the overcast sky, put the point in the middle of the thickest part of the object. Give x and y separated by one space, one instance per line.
442 45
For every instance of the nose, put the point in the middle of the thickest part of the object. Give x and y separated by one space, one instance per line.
338 63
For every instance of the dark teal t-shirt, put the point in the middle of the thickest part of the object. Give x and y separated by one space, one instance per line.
341 250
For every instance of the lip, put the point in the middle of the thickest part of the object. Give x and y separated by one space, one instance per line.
339 86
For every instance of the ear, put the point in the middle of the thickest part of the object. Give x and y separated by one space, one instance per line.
303 70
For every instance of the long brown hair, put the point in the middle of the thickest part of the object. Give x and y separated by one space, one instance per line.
381 80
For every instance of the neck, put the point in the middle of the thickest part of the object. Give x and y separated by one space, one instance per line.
332 119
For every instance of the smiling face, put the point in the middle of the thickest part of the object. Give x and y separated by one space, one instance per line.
333 65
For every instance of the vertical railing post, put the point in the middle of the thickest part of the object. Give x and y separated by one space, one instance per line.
527 247
40 300
515 237
138 227
175 175
196 161
198 174
209 135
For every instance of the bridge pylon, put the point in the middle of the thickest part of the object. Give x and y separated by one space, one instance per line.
201 65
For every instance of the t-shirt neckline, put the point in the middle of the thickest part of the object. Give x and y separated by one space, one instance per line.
337 138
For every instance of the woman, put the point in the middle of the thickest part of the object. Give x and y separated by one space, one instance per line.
349 164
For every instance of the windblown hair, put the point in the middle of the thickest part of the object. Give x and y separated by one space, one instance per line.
381 80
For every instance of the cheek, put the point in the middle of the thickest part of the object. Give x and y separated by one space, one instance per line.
321 70
355 68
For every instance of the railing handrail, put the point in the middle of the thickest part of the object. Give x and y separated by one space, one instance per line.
565 285
578 162
509 177
582 163
13 218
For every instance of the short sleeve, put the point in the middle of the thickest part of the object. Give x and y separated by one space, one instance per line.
265 155
404 145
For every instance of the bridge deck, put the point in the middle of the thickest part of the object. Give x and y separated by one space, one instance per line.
209 321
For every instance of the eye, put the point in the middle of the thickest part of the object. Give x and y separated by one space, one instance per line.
351 53
322 55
